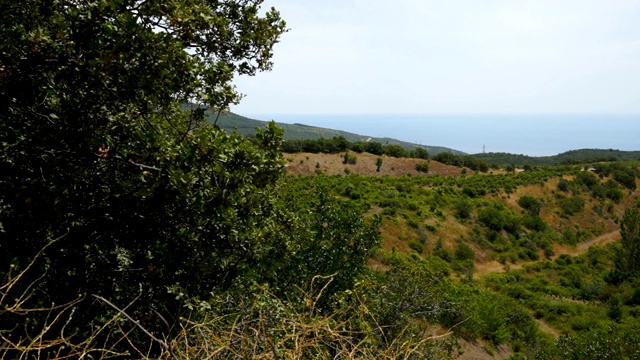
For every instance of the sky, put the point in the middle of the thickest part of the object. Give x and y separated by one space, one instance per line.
451 57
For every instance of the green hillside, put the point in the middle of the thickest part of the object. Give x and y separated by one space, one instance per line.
246 126
569 157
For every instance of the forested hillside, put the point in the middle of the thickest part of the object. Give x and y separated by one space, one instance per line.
233 122
566 158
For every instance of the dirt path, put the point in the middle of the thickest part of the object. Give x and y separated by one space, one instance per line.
581 248
477 350
547 328
600 240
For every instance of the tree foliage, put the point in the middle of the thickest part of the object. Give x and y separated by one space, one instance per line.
531 204
493 218
422 167
628 261
420 153
460 161
98 149
378 163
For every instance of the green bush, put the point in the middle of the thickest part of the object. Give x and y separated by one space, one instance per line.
419 153
430 227
531 204
612 342
571 205
422 167
464 252
563 185
615 194
534 223
493 218
626 177
587 179
349 158
440 251
463 208
416 246
378 164
396 151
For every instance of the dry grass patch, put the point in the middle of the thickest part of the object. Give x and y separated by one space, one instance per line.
332 164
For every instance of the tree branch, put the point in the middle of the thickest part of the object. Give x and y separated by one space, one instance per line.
137 323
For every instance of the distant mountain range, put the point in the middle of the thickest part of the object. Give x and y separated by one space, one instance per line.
246 126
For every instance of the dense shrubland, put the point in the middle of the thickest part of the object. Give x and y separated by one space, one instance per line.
583 299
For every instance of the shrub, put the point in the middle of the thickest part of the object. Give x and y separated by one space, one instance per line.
563 185
492 218
440 251
418 247
463 209
378 164
615 194
420 153
612 342
464 252
635 297
349 158
534 223
626 177
396 151
512 224
430 227
531 204
375 148
587 179
422 167
571 205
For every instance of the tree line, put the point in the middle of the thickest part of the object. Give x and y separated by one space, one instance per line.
339 144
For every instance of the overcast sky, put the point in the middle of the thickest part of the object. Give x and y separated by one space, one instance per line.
467 56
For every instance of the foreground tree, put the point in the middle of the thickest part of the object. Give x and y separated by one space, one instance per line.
628 262
98 151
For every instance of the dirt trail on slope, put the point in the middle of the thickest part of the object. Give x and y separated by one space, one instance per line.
546 327
581 248
600 240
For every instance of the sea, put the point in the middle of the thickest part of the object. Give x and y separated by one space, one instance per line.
533 135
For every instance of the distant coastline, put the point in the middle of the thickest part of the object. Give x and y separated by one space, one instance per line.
533 135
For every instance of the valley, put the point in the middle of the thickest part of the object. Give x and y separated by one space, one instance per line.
514 233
